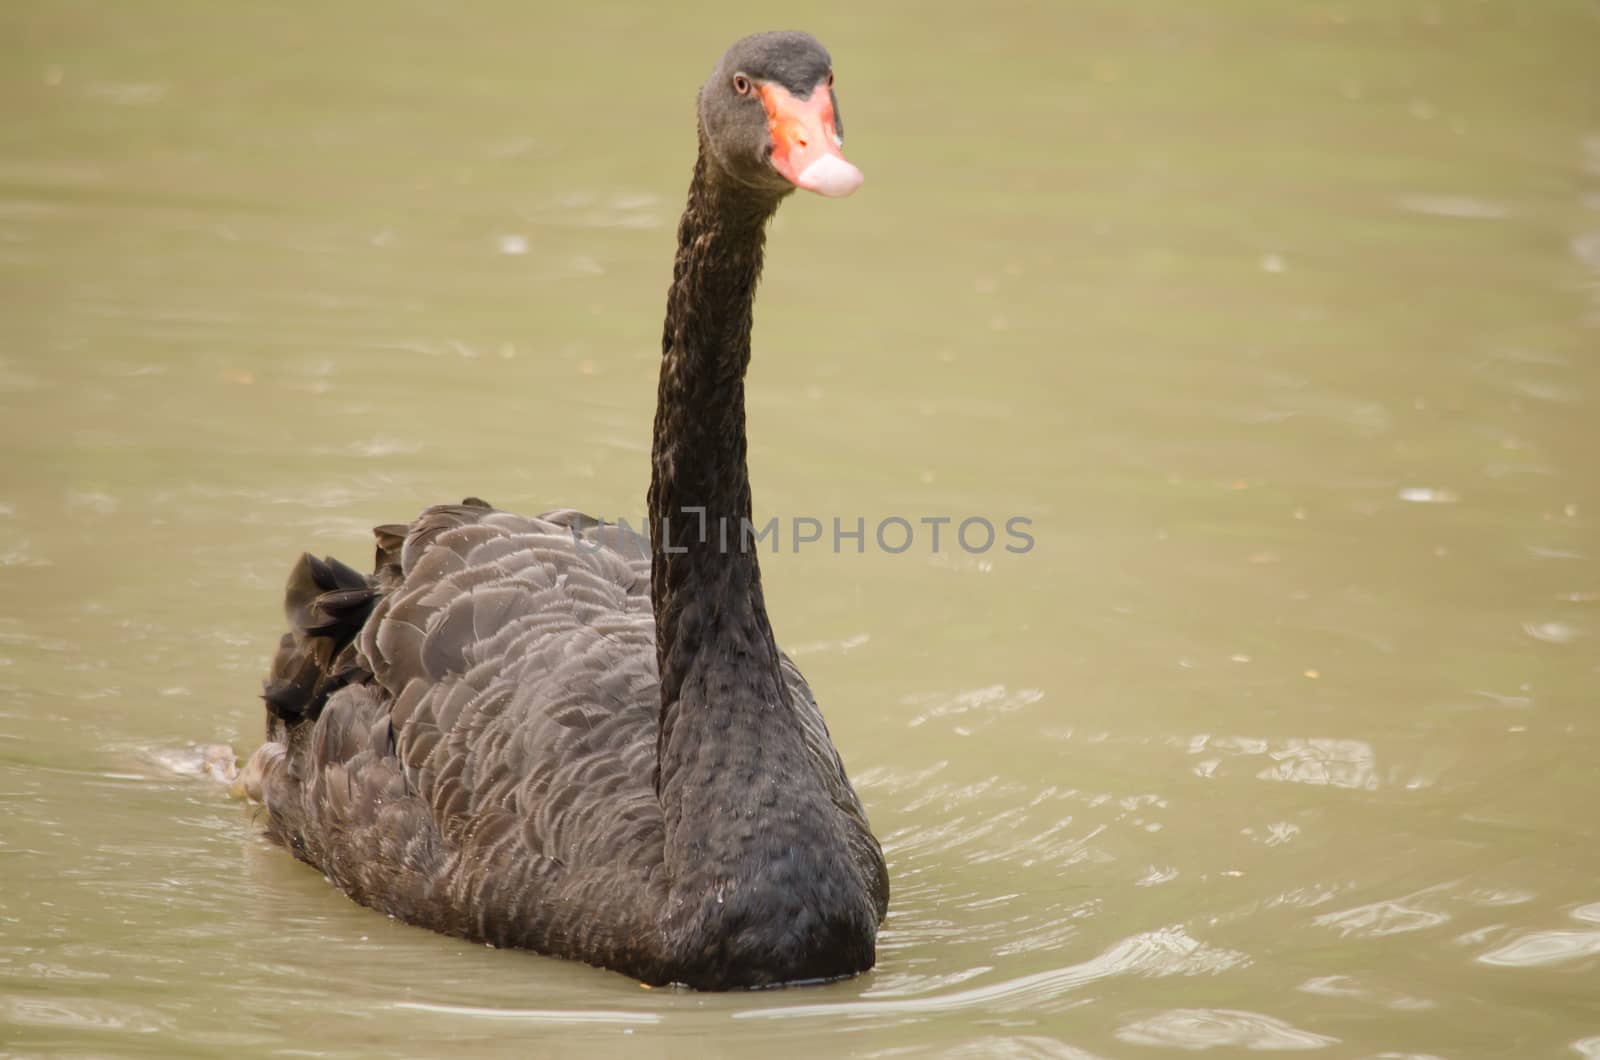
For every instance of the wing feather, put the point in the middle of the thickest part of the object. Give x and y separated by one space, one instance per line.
492 771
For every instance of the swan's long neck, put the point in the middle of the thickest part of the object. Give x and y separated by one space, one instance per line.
705 581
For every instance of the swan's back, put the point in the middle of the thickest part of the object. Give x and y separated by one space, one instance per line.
468 738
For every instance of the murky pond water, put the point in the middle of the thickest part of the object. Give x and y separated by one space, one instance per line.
1279 321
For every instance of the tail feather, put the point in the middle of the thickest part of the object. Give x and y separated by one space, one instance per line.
310 580
326 604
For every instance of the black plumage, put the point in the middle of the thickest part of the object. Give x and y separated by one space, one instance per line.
552 733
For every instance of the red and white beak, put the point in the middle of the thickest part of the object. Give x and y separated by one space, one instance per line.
805 141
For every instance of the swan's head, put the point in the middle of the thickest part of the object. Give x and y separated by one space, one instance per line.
770 117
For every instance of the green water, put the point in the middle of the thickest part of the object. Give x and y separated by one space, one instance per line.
1279 320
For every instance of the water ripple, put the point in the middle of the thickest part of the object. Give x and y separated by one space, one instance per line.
80 1013
1391 917
1319 761
1168 951
530 1015
1536 949
1346 986
1213 1028
1539 948
1589 913
1462 206
989 700
1021 1047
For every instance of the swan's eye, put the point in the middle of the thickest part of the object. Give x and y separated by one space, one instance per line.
741 84
830 78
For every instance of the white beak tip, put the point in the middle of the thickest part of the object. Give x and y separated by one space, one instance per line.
830 175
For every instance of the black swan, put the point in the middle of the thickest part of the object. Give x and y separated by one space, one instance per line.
552 733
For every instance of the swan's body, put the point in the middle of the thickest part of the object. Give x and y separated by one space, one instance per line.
552 733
